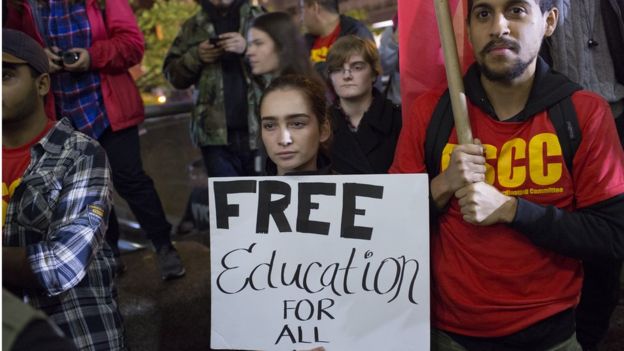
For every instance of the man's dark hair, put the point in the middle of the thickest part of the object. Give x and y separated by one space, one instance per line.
329 5
544 5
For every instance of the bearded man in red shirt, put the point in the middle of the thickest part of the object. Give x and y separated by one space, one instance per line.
513 219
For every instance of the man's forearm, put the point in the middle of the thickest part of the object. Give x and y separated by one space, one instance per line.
16 271
440 192
182 70
594 232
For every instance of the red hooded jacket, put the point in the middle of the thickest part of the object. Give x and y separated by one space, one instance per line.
117 45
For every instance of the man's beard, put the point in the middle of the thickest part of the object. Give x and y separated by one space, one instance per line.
506 76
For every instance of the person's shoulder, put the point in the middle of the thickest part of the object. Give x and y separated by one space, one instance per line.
422 108
589 106
350 25
589 98
73 139
350 20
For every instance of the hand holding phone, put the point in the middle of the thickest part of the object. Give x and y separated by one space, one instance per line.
233 42
76 60
214 41
209 52
55 61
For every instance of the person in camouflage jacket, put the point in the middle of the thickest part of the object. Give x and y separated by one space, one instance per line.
186 64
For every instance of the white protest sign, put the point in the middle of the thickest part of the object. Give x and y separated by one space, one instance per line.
335 261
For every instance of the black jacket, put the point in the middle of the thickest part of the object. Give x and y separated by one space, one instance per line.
370 150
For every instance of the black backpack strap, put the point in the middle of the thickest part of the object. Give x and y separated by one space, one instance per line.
564 119
438 132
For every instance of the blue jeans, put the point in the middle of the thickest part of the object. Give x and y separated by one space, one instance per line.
233 160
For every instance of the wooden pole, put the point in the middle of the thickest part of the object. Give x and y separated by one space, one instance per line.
453 72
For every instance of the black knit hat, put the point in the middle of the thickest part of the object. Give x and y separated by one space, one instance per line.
18 47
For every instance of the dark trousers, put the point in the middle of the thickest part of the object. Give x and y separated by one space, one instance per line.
233 160
135 186
599 297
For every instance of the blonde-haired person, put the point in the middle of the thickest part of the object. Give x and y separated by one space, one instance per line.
366 125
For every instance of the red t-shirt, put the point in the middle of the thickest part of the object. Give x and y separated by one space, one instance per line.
14 163
321 46
490 281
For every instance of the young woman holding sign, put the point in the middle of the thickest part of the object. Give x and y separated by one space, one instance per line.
295 126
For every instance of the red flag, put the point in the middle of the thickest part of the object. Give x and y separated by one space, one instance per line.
421 59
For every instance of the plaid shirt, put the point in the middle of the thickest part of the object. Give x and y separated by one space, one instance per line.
77 95
58 213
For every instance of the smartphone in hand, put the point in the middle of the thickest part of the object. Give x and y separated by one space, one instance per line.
214 41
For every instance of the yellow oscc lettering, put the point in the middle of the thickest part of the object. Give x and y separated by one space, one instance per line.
446 156
508 175
319 55
490 154
543 173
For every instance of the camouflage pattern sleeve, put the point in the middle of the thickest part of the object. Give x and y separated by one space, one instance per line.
182 66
